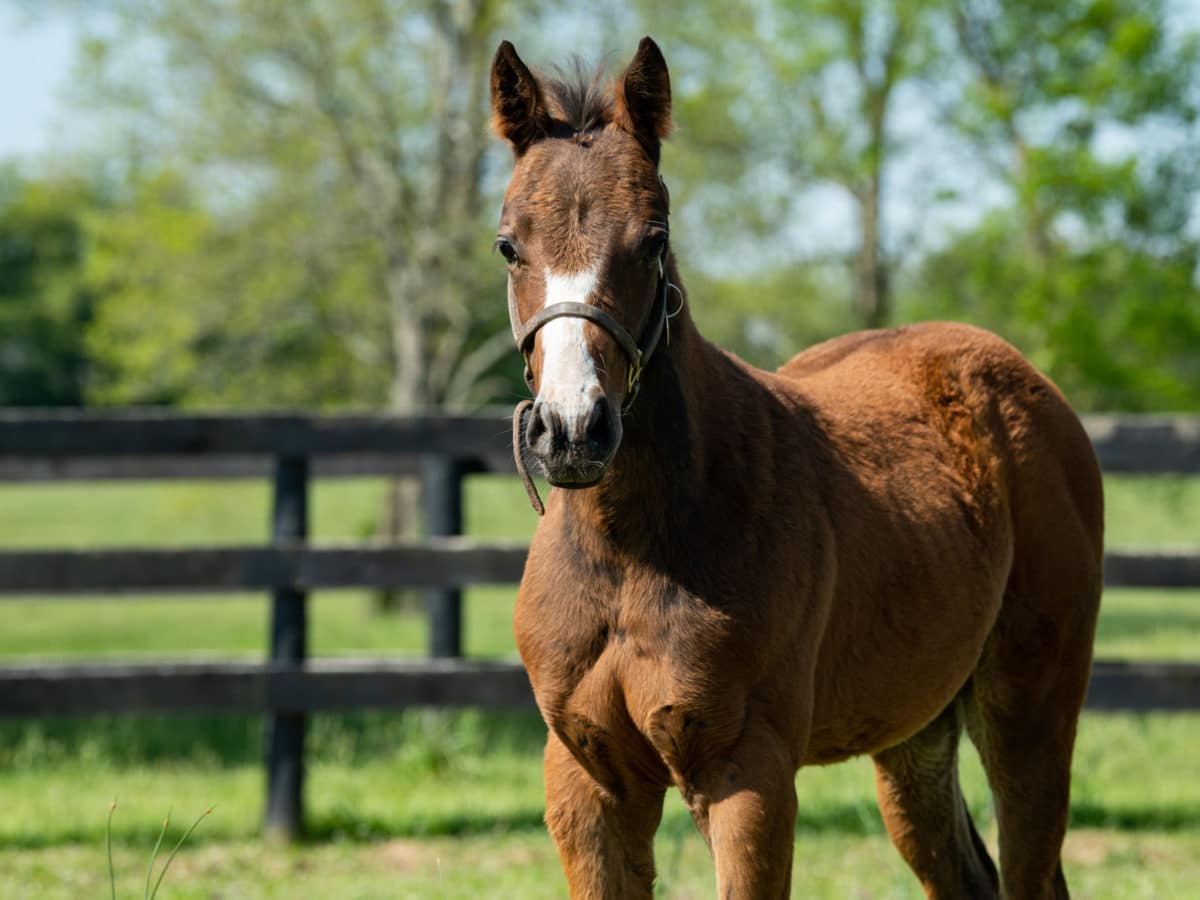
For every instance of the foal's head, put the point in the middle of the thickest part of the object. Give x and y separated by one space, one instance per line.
584 222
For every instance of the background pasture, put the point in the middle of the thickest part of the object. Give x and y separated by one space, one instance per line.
250 204
401 803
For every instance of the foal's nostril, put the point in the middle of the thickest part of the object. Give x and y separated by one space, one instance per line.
599 430
535 427
544 425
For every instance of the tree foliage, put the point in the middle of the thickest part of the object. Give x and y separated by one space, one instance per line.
45 305
1085 113
306 201
302 193
205 310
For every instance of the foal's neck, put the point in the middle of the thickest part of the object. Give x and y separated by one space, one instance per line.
671 435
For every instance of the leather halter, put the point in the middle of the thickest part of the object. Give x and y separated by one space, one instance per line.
637 353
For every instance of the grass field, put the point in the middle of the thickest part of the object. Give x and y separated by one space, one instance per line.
434 805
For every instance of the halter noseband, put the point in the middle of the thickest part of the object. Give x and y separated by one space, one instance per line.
637 352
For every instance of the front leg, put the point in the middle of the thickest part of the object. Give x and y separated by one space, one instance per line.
605 837
745 806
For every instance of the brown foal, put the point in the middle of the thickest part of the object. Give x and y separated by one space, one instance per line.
896 535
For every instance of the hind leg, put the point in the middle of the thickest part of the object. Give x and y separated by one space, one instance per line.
1022 711
925 815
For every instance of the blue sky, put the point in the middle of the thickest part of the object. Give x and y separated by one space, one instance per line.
35 61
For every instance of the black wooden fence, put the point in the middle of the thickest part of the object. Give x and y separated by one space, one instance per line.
440 450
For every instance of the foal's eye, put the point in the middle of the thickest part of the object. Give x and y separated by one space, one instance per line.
507 250
654 246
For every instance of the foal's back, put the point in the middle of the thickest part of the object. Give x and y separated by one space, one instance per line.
959 397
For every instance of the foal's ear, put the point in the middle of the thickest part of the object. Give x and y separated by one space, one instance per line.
518 114
643 96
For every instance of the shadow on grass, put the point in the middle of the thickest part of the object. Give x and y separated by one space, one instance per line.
347 827
847 820
1135 818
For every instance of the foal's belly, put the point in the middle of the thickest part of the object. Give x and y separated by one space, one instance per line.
881 676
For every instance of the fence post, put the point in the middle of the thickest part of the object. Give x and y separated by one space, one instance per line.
441 497
289 647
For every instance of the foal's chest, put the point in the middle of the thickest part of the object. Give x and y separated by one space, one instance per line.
628 664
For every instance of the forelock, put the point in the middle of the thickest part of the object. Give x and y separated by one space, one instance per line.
581 96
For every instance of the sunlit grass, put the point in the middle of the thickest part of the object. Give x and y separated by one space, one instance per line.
375 775
1134 624
1099 865
1141 511
390 795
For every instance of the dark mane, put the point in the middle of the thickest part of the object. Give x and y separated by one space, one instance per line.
580 95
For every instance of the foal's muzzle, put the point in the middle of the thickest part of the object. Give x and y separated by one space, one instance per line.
574 446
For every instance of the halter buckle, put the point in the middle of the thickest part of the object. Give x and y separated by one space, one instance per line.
634 382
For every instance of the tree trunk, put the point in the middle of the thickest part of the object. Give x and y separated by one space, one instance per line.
400 516
872 289
419 285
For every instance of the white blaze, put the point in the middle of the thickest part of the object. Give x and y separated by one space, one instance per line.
568 378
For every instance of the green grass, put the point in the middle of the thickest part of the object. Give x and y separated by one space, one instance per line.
179 513
388 792
401 803
382 787
1136 624
1100 865
1141 511
440 773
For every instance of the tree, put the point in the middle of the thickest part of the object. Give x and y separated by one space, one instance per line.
305 209
844 63
1045 85
784 105
338 148
1115 326
327 163
1084 113
45 305
235 310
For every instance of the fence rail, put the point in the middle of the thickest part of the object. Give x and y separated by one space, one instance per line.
437 561
142 445
346 684
440 561
232 686
292 449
